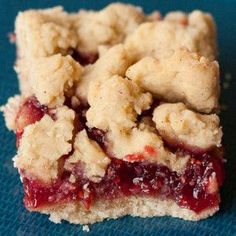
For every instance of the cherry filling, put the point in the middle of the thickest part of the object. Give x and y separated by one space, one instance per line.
196 188
84 58
30 112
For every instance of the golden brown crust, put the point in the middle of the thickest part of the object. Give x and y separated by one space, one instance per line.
134 206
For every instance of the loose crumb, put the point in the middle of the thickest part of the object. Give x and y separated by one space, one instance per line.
85 228
12 37
228 76
226 85
224 107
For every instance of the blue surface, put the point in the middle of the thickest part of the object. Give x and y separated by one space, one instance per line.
15 220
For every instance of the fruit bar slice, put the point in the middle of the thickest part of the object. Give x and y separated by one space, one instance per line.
116 114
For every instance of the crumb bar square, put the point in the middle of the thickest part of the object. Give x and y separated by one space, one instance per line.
117 114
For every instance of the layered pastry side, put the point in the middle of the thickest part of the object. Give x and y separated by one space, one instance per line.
117 114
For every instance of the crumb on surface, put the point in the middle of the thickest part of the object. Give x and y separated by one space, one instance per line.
228 76
85 228
227 82
12 37
226 85
224 107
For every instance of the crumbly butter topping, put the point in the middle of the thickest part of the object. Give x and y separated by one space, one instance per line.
177 123
89 153
44 143
117 104
51 78
140 57
158 38
183 76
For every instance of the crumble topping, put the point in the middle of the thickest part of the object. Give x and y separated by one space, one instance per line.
146 123
183 76
158 38
178 17
10 111
176 122
117 104
114 61
47 32
44 32
154 16
141 145
52 77
43 143
90 153
106 27
22 69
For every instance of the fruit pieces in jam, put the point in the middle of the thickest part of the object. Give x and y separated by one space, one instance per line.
196 188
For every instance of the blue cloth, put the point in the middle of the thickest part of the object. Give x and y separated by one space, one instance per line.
15 220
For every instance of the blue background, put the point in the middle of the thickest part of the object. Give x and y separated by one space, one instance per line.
15 220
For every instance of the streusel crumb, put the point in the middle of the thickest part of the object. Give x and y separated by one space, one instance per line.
44 33
43 143
177 123
106 27
158 38
51 78
118 102
90 153
134 145
183 76
114 61
10 111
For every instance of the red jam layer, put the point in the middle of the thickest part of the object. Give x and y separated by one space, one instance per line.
30 112
84 58
196 188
